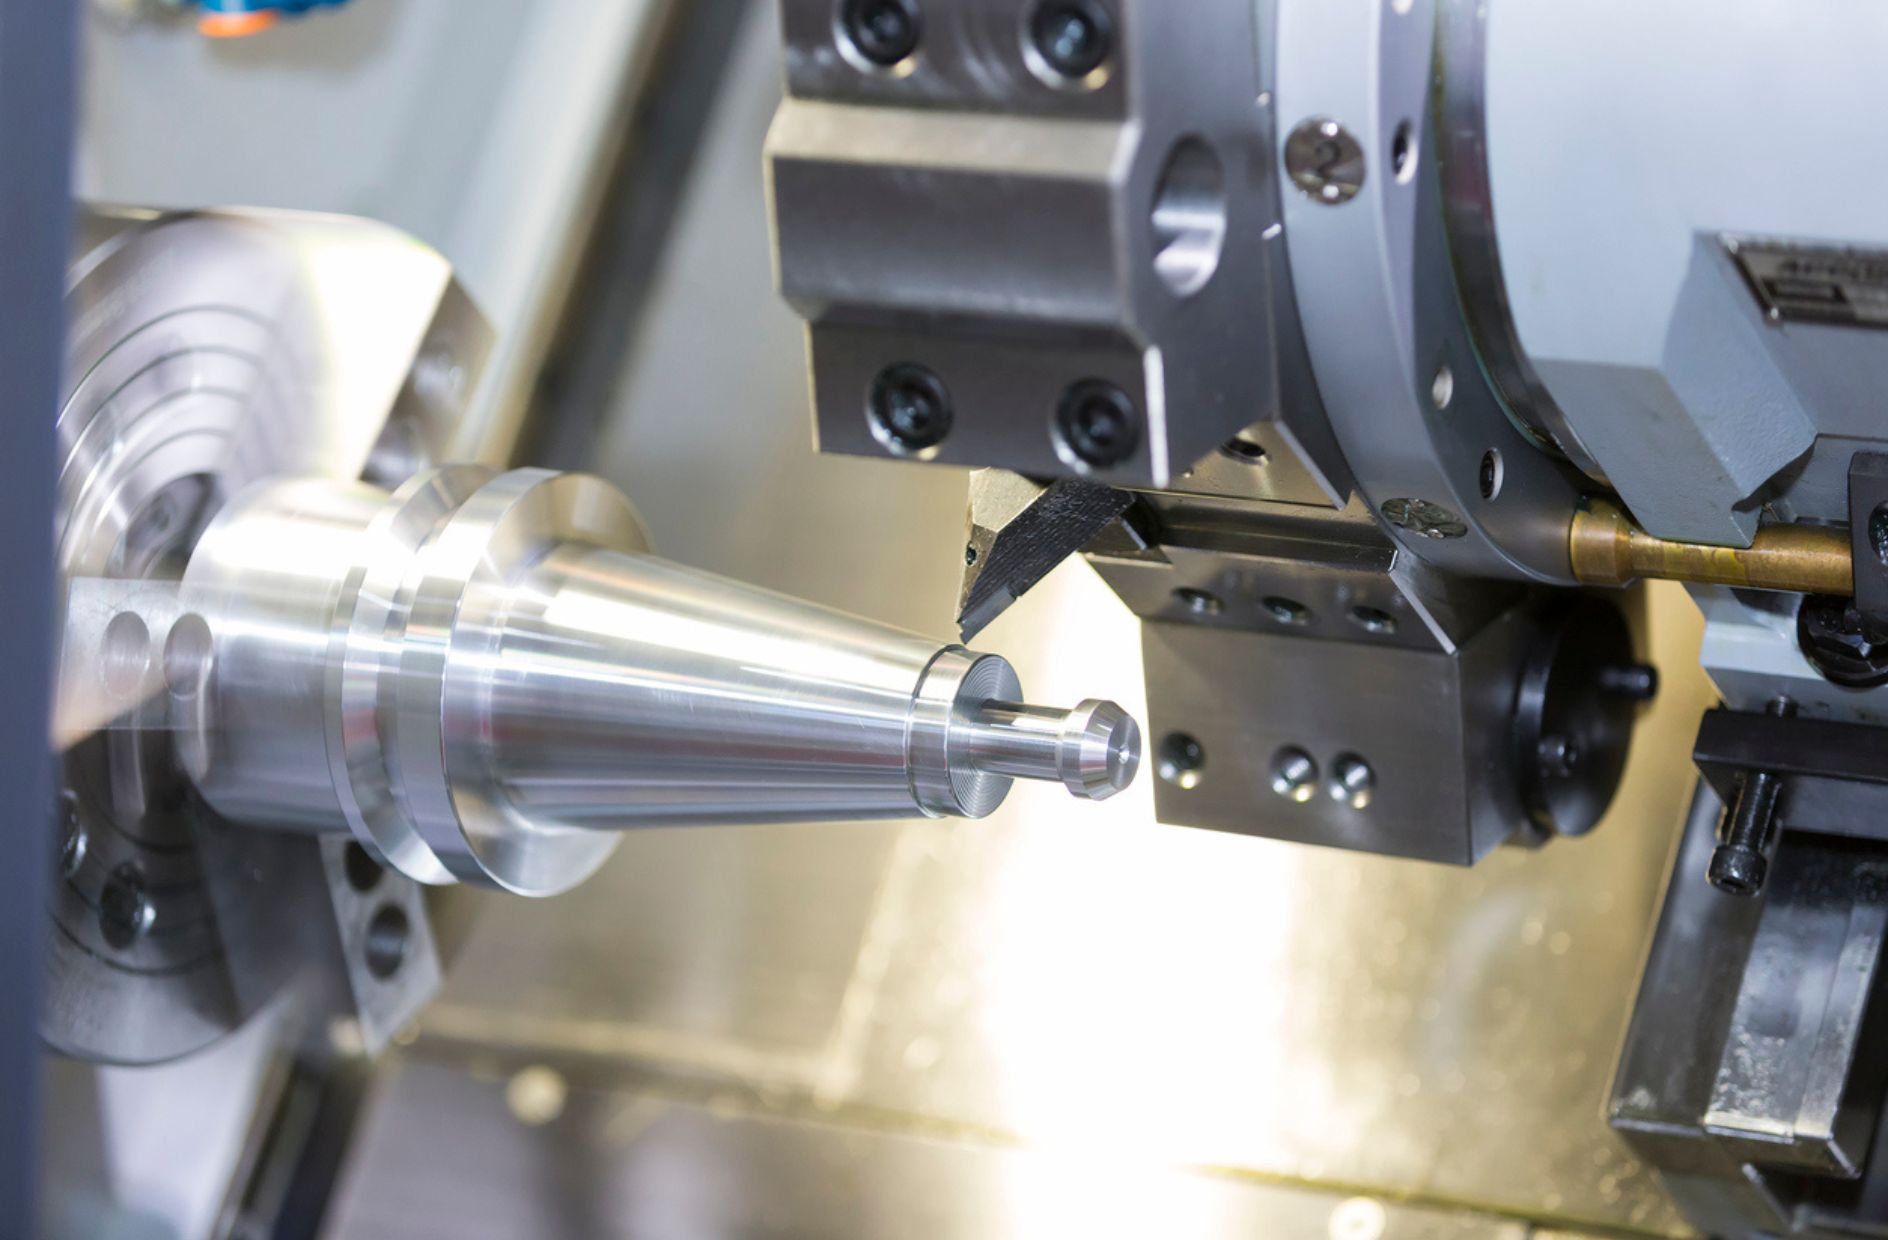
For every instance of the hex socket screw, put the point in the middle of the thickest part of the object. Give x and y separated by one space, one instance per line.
1739 864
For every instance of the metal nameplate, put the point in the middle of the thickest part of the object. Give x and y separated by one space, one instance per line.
1815 283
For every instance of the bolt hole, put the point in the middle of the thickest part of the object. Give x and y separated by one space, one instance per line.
1373 620
1189 217
1403 153
1353 782
1288 611
387 937
1244 449
363 872
909 410
1493 473
879 35
127 655
1294 774
1442 387
187 655
1199 602
1096 426
1069 42
1181 760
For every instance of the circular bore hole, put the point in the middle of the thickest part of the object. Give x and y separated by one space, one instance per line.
1096 425
909 410
127 654
363 872
1493 473
1070 42
1199 602
1294 774
1403 153
970 556
1181 760
1373 620
387 936
879 34
1286 610
1353 782
1244 449
1878 532
1189 217
187 655
124 910
1442 387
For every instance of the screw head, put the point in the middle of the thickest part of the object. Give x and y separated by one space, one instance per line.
1422 517
1294 774
1073 37
884 32
1353 781
1737 871
1097 425
1324 160
909 409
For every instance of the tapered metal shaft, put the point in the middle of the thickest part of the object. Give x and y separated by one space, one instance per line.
486 678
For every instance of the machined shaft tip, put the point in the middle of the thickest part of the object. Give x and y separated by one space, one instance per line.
1094 749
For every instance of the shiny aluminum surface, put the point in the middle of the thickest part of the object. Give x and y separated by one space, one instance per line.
486 677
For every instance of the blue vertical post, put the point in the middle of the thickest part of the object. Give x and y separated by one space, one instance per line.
37 71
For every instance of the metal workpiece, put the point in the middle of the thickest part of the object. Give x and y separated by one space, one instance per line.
486 678
1093 749
1608 548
